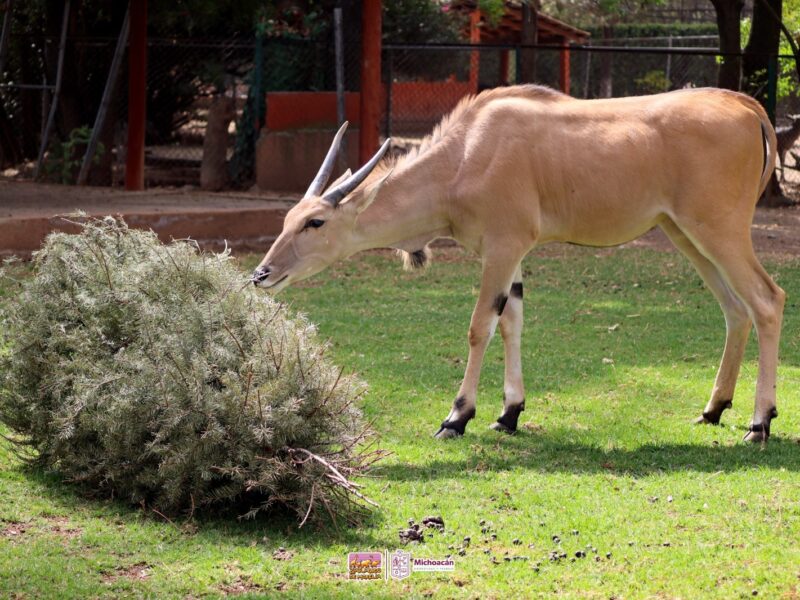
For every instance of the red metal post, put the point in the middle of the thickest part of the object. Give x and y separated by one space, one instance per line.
563 74
370 112
137 95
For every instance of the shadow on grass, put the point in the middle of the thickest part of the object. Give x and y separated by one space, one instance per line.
279 526
556 452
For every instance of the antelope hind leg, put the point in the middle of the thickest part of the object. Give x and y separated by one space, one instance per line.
737 325
731 251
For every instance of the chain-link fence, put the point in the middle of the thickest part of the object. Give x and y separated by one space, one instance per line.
187 78
425 82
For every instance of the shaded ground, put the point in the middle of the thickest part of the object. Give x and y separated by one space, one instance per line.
23 199
775 231
245 221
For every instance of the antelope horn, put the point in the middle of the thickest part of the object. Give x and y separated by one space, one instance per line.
335 195
326 169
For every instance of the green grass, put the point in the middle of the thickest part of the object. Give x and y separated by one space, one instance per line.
604 449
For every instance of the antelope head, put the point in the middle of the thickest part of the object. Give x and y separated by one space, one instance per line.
320 229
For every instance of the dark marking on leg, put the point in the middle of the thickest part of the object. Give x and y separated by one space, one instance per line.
510 416
759 432
500 303
713 416
516 289
418 259
459 424
460 402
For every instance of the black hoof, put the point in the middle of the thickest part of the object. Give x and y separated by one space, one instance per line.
712 417
759 432
447 433
507 422
456 427
498 426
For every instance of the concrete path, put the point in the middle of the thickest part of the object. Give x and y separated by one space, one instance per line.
247 221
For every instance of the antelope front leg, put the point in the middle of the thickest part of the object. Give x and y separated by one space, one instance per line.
511 330
495 290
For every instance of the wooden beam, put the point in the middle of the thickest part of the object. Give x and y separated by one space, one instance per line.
137 95
370 112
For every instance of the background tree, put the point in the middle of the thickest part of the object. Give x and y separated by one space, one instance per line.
763 41
729 16
604 14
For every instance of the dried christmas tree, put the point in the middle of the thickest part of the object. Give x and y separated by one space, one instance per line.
156 373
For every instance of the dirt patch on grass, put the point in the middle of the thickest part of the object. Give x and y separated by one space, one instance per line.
61 527
14 530
136 572
282 554
241 585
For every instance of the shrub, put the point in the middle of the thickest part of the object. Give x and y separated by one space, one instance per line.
156 373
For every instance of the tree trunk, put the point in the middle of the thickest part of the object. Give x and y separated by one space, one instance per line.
527 66
765 37
214 169
606 66
764 40
729 14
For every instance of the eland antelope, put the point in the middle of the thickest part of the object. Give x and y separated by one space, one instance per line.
516 167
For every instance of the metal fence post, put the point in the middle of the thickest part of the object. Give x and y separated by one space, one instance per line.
258 87
56 92
100 119
517 54
341 109
772 87
389 64
5 35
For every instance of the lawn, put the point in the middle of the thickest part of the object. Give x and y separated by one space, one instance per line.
620 353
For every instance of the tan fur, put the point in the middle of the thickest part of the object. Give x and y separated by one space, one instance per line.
517 167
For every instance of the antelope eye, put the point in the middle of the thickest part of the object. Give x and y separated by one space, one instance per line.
314 223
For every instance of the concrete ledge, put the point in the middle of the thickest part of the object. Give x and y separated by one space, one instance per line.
244 229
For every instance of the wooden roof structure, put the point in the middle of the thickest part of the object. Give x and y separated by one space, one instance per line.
509 28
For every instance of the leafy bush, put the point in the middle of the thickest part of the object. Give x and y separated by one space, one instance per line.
156 373
65 158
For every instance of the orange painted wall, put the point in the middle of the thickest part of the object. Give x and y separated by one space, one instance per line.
411 101
308 110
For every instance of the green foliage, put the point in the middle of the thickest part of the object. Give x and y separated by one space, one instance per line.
653 82
623 30
149 372
420 22
788 84
597 12
494 9
65 158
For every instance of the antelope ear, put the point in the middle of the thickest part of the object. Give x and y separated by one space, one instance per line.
360 202
340 179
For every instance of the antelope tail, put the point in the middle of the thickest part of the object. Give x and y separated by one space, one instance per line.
770 148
